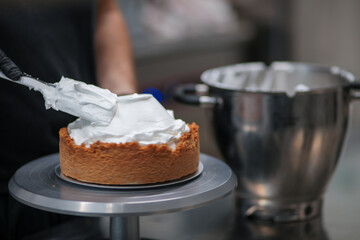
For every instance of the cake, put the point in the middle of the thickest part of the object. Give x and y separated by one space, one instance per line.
120 140
142 143
129 163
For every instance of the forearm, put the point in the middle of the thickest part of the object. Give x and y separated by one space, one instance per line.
114 58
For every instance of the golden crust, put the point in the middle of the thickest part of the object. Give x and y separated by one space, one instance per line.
129 163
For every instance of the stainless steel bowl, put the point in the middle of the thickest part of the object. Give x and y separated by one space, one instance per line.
283 144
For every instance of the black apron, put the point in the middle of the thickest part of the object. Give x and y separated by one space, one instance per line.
46 39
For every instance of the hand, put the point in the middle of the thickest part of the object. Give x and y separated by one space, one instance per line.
9 68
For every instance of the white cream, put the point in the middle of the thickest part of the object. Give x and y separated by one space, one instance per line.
105 117
138 118
86 101
301 88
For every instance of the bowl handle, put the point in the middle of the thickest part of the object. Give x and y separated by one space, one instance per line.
355 90
194 94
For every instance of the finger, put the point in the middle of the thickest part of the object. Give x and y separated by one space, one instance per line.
8 67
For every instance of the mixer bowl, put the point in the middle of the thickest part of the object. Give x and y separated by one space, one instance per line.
281 129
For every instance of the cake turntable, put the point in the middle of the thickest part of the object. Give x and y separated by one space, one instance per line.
38 185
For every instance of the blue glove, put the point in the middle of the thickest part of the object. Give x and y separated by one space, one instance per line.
9 68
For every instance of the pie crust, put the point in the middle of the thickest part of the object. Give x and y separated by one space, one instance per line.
129 163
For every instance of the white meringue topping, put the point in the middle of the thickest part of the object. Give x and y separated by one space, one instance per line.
138 118
106 117
82 100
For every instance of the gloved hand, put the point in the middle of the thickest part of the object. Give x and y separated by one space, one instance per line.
9 68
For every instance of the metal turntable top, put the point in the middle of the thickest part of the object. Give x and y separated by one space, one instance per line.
36 184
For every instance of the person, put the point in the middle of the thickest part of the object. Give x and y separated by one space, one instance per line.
85 40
